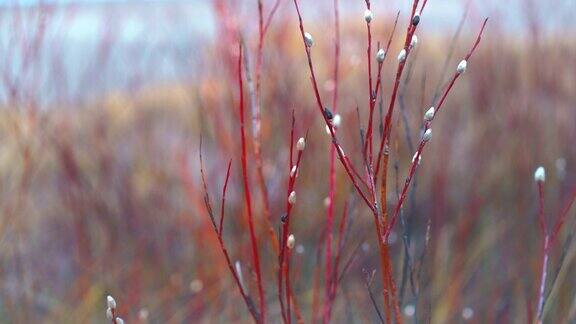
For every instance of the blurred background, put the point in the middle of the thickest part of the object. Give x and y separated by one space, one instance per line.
103 103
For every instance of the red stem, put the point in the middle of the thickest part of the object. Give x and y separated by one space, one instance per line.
284 255
255 256
331 176
245 297
271 15
224 198
369 133
334 275
339 151
283 269
562 218
371 97
423 143
411 29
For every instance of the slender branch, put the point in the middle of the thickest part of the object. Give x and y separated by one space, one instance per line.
247 300
247 196
332 177
284 258
368 282
224 198
206 194
562 218
271 15
417 156
374 93
339 150
545 252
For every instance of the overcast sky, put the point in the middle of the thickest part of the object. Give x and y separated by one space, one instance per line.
166 32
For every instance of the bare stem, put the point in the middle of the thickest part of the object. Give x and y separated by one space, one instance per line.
247 197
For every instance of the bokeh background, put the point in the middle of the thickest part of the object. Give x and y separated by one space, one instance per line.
103 104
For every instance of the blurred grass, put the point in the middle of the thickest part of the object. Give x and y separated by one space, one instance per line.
106 199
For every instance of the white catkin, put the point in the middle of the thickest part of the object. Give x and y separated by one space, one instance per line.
462 67
111 302
409 310
419 158
291 241
368 15
414 41
540 174
467 313
292 198
301 144
238 267
337 120
402 55
380 55
427 135
308 39
429 115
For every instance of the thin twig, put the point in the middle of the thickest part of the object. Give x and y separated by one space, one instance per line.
247 197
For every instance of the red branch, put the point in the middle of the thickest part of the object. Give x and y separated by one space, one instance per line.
331 176
255 256
339 150
422 144
247 300
284 258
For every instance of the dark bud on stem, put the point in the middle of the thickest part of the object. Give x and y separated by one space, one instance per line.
328 114
416 19
283 217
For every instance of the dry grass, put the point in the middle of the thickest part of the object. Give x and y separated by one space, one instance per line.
107 198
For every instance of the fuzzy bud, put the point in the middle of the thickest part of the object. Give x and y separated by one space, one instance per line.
119 320
196 286
308 39
109 314
415 20
409 310
540 174
419 158
293 171
291 241
427 135
462 67
111 302
292 198
238 267
328 113
402 56
368 16
380 55
467 313
429 115
337 120
299 248
143 314
301 144
413 41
